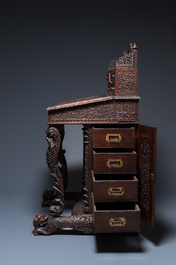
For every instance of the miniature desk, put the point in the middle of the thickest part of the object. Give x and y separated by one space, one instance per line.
119 163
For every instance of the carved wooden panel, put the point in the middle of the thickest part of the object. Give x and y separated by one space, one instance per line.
123 73
122 111
127 82
146 149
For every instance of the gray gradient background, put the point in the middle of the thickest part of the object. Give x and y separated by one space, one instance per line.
55 51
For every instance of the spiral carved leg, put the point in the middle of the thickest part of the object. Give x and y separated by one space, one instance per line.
87 178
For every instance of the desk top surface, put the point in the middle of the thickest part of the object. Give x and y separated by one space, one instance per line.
96 110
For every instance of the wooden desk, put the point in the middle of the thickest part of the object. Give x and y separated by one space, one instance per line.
119 159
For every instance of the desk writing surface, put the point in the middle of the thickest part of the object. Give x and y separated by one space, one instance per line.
96 110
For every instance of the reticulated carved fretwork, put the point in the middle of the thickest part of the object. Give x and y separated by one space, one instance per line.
125 73
119 111
145 175
129 58
124 61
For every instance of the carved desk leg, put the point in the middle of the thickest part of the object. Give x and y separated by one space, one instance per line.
78 221
81 222
57 165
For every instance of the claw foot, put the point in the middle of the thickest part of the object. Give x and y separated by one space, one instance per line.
40 223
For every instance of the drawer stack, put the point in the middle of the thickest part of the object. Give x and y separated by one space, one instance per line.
115 186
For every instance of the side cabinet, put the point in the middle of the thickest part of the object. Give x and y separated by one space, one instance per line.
123 178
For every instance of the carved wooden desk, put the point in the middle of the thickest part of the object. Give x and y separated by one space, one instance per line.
119 163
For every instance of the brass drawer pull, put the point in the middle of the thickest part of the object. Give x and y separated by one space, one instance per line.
121 221
119 191
114 163
113 138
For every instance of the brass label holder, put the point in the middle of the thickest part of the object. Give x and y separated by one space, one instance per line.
114 222
119 191
113 138
114 163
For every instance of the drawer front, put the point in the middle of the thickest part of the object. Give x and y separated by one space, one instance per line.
117 221
115 190
114 138
114 163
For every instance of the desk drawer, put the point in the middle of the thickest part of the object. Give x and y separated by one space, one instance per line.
114 162
114 138
116 218
114 190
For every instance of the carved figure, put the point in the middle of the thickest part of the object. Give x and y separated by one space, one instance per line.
78 221
54 142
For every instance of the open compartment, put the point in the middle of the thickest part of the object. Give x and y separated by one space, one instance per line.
116 217
114 187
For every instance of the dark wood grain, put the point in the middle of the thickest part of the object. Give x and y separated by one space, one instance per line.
126 138
123 73
102 219
100 161
146 149
122 110
102 188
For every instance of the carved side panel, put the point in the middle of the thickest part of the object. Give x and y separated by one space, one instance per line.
146 150
127 82
126 72
118 111
144 185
